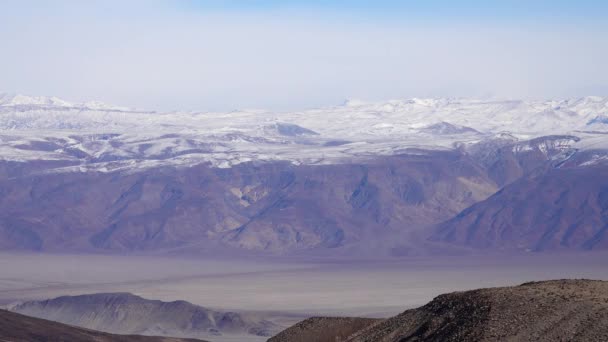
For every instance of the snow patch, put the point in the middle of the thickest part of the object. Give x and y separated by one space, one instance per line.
106 137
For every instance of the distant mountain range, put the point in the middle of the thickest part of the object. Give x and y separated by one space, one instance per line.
127 314
407 177
101 137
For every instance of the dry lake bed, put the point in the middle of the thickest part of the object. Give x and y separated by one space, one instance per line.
291 288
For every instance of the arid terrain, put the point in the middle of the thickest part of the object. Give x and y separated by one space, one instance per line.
418 177
125 313
283 292
559 310
15 327
303 171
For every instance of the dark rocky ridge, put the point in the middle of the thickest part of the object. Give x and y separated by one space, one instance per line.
15 327
323 329
560 310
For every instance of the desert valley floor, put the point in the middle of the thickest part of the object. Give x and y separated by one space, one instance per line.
291 289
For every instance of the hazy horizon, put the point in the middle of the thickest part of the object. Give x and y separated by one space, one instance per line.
303 170
289 55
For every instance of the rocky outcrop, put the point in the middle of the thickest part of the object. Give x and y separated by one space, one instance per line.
560 310
323 329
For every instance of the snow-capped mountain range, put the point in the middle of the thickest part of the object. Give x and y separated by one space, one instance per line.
398 178
96 136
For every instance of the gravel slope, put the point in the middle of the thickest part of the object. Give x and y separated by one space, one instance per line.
558 310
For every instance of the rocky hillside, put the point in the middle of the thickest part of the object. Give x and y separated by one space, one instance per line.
124 313
342 180
323 329
564 208
19 328
536 195
270 207
560 310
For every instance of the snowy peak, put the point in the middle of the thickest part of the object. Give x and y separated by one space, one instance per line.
97 105
550 146
23 100
26 103
48 128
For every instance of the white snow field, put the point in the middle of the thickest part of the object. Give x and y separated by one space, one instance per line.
95 136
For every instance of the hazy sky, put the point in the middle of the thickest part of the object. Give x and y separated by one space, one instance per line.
222 55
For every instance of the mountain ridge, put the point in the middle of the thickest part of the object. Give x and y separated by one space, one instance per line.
94 136
342 179
126 313
572 310
20 328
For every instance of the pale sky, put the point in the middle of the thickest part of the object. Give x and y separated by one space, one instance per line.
286 55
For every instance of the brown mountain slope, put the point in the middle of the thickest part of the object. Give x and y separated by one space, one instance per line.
15 327
274 207
341 209
323 329
559 310
505 159
554 209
